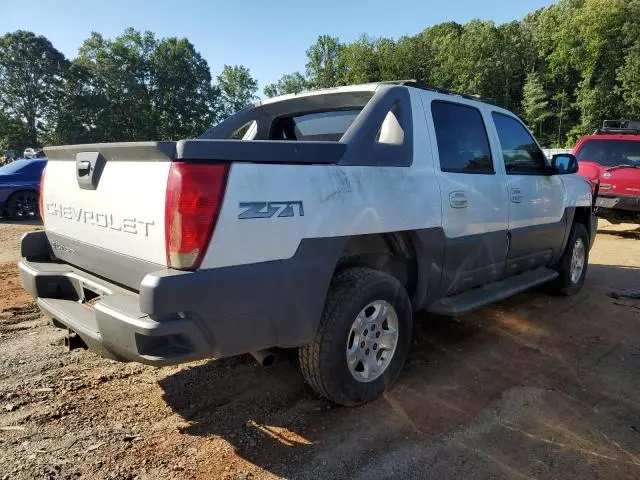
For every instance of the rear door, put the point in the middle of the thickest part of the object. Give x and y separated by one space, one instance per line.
473 193
536 200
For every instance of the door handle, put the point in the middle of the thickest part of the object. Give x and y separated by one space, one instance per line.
458 199
516 195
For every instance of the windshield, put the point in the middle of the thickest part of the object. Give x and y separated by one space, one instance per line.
610 153
20 166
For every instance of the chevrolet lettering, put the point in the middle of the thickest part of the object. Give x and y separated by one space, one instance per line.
100 219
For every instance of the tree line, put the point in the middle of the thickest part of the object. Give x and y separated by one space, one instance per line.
132 88
564 69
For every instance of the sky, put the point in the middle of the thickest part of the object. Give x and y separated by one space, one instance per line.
270 38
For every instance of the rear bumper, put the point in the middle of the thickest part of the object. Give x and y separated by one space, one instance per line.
176 316
113 326
619 208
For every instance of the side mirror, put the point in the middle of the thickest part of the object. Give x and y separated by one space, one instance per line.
564 164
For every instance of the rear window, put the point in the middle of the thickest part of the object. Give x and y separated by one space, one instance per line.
318 126
610 153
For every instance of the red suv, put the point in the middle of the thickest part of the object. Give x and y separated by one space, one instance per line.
610 160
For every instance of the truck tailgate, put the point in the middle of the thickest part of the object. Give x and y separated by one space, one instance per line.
116 206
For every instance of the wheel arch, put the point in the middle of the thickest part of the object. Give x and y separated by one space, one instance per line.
413 257
582 215
585 216
13 195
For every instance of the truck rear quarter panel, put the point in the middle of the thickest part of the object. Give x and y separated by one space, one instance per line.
336 200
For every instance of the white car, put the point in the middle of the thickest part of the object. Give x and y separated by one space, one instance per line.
320 220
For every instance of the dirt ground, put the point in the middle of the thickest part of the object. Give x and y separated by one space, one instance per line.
535 387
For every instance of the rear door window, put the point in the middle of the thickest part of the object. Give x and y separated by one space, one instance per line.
463 145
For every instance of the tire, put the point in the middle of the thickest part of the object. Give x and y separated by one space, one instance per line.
23 205
365 293
569 283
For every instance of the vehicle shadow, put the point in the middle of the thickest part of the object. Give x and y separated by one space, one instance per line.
7 221
631 234
276 422
456 369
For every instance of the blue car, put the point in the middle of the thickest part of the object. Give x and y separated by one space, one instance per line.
19 187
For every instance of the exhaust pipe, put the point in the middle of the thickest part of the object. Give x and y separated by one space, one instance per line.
72 341
266 357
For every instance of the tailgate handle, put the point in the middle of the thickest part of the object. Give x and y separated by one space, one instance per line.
89 167
84 168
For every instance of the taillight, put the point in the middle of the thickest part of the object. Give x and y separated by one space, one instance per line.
194 197
41 194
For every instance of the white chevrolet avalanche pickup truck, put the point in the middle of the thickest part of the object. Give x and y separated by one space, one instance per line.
320 221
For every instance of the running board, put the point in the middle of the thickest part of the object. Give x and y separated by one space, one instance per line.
479 297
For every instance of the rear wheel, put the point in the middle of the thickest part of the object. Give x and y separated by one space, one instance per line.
23 205
573 264
363 338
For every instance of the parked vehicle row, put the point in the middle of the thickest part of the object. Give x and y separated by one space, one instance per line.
610 159
19 188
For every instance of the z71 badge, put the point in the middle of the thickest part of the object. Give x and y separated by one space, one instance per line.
269 209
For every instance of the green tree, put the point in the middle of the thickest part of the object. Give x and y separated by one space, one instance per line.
136 87
288 83
31 79
13 134
184 97
120 79
561 112
512 63
237 88
478 60
407 58
585 55
443 43
535 103
360 62
76 112
628 74
598 25
323 66
629 82
372 60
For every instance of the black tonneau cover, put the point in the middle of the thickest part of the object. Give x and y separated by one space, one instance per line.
260 151
254 151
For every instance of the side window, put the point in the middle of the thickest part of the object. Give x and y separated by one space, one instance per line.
520 151
462 139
